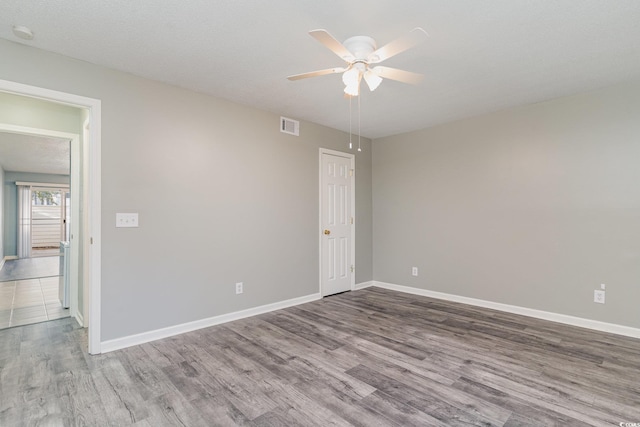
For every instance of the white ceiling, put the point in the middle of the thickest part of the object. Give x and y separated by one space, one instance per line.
481 56
25 153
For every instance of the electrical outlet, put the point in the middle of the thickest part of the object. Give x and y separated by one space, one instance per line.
414 271
598 296
239 289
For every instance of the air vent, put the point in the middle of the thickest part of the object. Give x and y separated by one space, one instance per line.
290 126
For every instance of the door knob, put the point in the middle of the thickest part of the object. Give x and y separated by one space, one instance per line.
327 232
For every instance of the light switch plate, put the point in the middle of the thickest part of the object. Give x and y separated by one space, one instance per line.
126 220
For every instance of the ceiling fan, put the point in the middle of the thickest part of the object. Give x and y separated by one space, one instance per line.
361 53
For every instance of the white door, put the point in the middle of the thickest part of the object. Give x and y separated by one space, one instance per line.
336 220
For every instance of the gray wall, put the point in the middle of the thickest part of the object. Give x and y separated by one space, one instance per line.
11 203
223 197
533 206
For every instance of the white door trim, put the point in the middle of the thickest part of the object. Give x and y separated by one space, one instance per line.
352 159
92 204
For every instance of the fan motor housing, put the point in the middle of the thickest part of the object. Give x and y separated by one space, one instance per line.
360 46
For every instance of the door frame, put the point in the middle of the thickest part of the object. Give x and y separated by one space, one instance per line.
91 205
352 160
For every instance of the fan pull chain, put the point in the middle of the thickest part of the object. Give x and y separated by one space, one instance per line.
350 143
359 149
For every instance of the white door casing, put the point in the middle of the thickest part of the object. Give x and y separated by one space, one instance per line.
336 222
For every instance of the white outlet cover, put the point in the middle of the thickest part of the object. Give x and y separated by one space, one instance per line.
598 296
126 220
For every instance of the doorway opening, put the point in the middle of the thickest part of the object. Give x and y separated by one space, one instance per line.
87 211
50 215
36 280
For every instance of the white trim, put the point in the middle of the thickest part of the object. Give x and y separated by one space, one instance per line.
131 340
363 285
79 318
352 159
93 236
75 243
42 184
86 260
524 311
93 204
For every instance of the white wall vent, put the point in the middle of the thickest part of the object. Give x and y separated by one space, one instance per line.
290 126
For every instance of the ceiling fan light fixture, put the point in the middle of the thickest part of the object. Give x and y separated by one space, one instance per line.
351 77
352 90
360 52
373 80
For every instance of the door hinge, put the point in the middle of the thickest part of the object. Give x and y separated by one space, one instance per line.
351 220
352 269
91 240
351 172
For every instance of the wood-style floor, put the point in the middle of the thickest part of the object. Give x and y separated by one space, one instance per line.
369 358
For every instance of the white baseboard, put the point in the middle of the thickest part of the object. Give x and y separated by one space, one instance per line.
530 312
131 340
79 318
124 342
363 285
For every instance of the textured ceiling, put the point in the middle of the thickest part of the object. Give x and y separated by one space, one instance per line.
24 153
481 56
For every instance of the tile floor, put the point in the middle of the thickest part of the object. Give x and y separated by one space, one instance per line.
23 302
30 268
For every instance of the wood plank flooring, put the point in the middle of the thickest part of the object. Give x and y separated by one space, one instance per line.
367 358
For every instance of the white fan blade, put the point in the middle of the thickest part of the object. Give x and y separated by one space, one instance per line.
398 75
415 36
332 44
317 73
